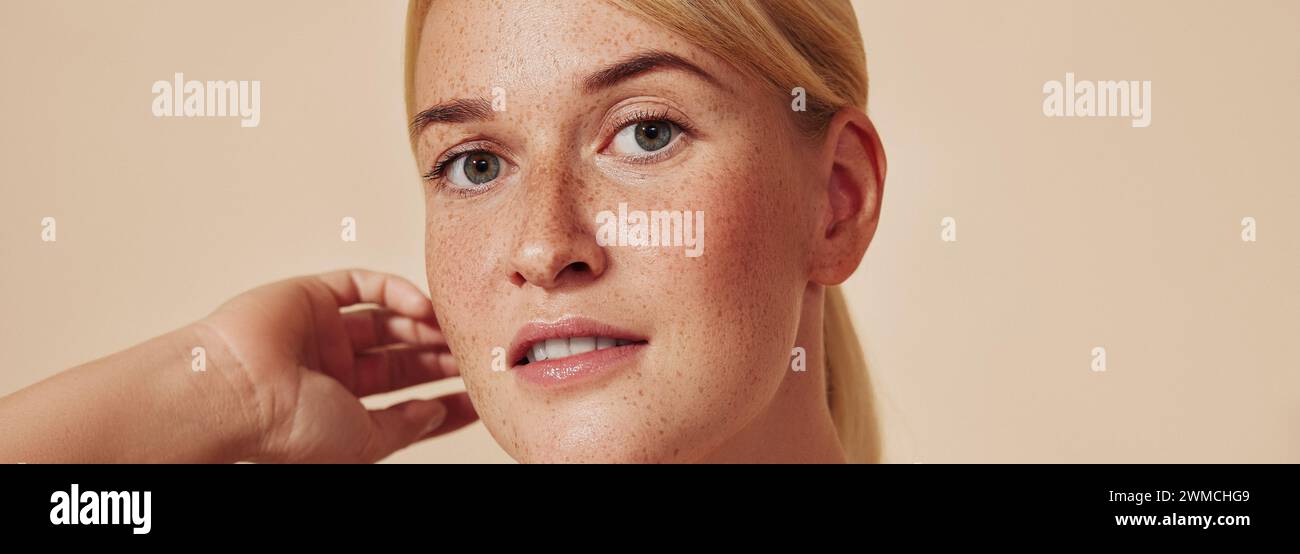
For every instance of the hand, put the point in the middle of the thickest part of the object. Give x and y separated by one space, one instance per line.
303 366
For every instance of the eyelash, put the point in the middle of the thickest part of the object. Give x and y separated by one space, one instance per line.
437 172
643 115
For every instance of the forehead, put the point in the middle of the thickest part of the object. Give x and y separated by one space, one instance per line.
467 47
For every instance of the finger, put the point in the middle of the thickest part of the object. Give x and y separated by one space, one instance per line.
460 412
354 286
397 426
370 328
394 369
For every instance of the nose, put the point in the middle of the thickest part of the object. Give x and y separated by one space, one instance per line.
555 245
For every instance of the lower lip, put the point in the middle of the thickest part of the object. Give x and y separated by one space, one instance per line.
581 368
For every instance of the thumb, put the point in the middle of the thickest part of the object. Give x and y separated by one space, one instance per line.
397 426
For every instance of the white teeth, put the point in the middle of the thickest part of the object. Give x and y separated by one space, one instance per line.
551 349
538 353
557 348
581 345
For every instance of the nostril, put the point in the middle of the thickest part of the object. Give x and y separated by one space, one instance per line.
546 275
574 272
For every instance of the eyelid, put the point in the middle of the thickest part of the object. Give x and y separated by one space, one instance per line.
679 140
438 170
657 112
641 116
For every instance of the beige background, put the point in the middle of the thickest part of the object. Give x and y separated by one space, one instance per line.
1072 233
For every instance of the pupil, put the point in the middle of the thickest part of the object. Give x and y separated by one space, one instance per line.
481 167
653 135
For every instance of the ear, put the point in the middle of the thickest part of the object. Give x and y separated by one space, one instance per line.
854 185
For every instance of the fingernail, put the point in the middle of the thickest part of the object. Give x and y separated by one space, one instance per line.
439 415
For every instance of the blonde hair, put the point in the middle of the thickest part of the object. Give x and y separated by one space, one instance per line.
813 44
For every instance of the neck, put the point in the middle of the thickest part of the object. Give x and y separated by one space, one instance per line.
796 426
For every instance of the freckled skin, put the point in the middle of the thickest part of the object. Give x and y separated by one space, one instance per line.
721 326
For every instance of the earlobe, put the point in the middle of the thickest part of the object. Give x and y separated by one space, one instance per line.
854 186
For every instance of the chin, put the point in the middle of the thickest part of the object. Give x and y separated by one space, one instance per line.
597 437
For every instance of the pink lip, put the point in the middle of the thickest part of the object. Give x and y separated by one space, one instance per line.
573 369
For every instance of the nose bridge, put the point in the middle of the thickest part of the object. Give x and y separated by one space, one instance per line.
551 201
554 243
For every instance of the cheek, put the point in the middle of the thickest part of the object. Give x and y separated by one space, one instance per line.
731 314
463 300
445 258
460 247
461 287
470 295
756 224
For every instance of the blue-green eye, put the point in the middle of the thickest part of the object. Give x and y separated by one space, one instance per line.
474 169
645 136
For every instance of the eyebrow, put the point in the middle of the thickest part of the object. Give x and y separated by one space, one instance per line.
460 110
641 63
464 110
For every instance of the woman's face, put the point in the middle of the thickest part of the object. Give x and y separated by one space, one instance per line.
551 118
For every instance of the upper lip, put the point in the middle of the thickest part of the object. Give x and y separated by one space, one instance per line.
566 327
